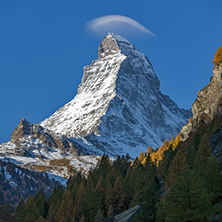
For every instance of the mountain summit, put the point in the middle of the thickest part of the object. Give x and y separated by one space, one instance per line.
119 108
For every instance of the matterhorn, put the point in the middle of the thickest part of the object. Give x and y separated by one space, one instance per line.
119 107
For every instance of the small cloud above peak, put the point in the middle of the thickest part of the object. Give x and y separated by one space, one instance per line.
117 24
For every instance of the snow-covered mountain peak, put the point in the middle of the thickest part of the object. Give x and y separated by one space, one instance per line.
119 107
114 44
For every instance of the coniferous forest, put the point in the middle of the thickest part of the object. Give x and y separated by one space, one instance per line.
180 181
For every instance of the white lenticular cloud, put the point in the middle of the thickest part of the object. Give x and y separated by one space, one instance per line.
113 23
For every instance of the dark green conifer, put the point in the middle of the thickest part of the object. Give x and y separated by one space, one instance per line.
187 200
148 201
54 202
19 212
118 197
65 210
177 166
31 211
41 203
80 196
203 155
213 180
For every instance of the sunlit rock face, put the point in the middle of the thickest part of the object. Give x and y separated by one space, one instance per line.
35 140
119 108
207 105
209 100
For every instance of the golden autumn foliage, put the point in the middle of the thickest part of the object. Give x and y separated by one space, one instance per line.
190 120
218 56
157 156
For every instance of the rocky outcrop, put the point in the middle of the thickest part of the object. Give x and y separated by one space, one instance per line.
185 130
209 100
107 47
41 150
126 216
207 105
32 136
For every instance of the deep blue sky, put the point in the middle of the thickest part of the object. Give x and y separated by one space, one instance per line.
44 46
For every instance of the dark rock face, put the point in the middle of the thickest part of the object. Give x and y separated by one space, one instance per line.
22 129
126 216
39 137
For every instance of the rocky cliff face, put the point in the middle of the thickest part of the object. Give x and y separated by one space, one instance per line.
209 100
208 103
119 108
35 147
35 138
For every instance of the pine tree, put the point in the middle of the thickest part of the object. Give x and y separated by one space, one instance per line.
118 197
191 153
65 210
187 200
31 211
177 166
19 209
54 202
128 187
161 210
109 197
140 181
203 155
213 180
148 201
100 196
80 196
41 203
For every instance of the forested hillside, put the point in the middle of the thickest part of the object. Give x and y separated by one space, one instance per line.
181 181
17 182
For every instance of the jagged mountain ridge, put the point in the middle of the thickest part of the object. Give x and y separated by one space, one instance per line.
119 108
39 149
